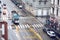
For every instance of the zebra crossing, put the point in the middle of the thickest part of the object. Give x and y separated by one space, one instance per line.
42 20
37 25
22 26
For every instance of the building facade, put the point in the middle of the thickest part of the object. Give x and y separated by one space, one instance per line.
38 7
55 9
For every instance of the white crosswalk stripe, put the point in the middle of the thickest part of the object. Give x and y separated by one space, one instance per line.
37 25
9 27
27 26
24 26
43 20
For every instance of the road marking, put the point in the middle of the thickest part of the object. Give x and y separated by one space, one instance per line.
17 34
26 37
36 33
9 27
21 26
24 26
37 25
17 28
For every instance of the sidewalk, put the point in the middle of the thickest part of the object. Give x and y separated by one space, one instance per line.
30 9
27 12
57 30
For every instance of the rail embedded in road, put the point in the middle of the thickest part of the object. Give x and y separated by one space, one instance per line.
39 37
30 30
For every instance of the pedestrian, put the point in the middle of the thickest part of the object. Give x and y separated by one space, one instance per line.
56 24
52 19
48 22
52 23
59 27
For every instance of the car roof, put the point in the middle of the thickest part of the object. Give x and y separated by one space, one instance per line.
51 31
4 4
13 11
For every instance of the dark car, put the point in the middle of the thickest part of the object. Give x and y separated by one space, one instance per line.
16 21
0 2
49 32
0 10
18 4
15 18
13 11
4 4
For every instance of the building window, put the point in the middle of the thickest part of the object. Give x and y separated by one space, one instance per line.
40 1
57 11
39 12
53 1
45 1
45 12
58 2
53 9
33 0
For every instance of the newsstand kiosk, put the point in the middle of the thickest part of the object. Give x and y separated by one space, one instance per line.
3 31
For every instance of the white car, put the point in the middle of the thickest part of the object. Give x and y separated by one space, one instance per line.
51 33
20 6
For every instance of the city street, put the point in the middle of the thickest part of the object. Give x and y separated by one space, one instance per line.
29 28
10 30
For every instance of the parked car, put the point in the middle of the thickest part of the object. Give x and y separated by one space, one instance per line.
15 18
18 4
49 32
0 10
4 6
0 2
4 12
13 11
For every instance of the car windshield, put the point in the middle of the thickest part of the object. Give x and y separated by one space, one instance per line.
4 4
15 14
53 33
16 19
49 30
